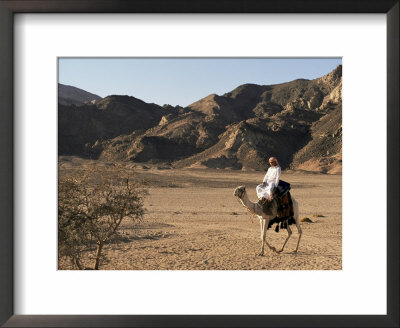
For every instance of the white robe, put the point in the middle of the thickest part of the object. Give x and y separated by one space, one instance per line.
271 180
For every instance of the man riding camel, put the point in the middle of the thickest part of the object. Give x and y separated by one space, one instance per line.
270 182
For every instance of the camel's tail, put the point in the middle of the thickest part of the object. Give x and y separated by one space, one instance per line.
295 208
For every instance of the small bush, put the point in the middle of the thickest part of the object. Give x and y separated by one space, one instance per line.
305 219
92 204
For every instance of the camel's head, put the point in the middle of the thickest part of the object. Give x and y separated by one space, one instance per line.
239 191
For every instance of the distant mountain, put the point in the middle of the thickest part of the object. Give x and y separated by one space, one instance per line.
300 122
82 128
69 95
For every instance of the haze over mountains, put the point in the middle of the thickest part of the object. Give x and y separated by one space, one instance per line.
299 122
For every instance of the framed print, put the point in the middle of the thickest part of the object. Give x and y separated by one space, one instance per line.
178 277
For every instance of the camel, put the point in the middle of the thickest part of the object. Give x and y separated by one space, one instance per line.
265 218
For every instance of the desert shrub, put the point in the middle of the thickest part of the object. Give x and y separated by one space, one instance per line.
92 204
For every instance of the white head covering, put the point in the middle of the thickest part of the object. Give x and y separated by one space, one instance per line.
273 159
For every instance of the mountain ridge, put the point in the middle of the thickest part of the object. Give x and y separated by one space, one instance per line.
70 95
299 122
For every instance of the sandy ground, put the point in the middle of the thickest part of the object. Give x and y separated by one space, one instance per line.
193 222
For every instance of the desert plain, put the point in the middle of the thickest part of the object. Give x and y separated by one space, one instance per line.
194 222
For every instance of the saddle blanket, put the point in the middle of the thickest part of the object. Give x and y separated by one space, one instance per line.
282 189
285 206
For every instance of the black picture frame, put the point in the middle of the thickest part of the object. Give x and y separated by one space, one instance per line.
10 7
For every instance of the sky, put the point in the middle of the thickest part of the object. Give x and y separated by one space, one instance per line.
182 81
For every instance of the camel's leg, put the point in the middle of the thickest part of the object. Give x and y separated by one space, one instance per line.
262 226
289 234
299 231
264 237
297 219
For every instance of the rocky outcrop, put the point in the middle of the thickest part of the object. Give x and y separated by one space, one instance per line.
247 145
324 151
175 137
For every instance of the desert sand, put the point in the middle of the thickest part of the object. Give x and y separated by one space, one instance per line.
193 222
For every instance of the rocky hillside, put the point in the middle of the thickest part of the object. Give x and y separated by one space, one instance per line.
81 129
299 122
68 95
